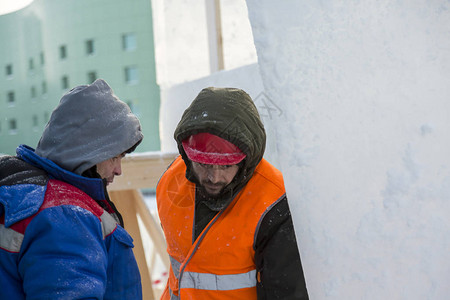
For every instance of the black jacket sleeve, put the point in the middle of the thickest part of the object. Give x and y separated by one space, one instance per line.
280 272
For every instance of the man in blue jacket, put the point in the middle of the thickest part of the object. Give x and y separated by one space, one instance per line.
60 235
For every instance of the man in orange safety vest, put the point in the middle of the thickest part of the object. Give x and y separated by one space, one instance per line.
223 207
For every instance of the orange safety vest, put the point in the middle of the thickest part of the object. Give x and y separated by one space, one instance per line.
220 263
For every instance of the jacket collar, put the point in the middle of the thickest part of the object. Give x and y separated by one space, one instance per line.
94 187
12 197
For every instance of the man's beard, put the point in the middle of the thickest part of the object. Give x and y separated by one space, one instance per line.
214 202
217 186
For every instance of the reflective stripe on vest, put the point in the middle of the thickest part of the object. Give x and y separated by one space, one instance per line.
10 240
172 296
219 264
207 281
175 266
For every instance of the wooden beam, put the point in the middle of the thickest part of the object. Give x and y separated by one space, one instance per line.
142 170
154 230
126 202
215 40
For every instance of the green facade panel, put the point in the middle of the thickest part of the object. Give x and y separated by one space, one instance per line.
51 46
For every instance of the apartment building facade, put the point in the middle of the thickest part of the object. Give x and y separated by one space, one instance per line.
51 46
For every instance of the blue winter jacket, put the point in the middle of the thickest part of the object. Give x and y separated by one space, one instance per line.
58 238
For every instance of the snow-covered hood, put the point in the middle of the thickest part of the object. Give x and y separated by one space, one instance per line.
90 125
230 114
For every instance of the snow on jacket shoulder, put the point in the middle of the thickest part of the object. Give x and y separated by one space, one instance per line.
56 241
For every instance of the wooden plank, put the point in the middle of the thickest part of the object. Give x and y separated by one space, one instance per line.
142 170
215 41
154 230
126 202
218 17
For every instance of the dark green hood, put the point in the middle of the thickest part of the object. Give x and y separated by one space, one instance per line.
230 114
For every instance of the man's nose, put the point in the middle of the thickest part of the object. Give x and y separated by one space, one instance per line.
118 168
214 175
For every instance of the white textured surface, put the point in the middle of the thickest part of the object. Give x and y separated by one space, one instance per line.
363 140
9 6
181 39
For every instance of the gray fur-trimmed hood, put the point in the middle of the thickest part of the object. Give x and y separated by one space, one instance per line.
90 125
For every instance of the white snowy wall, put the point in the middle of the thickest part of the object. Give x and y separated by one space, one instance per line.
181 39
363 140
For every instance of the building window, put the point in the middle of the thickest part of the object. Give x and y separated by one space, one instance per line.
35 121
42 58
90 49
11 98
31 64
129 42
65 82
12 126
62 52
33 92
44 88
131 75
92 76
9 70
